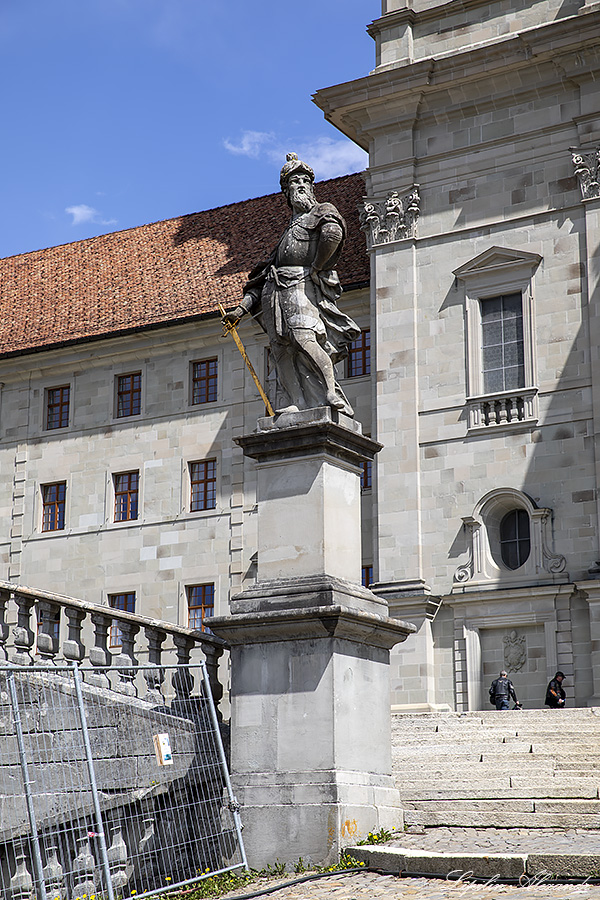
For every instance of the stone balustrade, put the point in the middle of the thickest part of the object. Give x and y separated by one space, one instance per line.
506 408
44 628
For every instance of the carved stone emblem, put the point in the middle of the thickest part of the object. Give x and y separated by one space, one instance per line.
587 164
515 651
391 219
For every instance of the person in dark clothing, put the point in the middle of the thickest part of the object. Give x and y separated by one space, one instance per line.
555 695
502 691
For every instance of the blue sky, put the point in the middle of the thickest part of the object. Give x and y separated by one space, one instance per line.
122 112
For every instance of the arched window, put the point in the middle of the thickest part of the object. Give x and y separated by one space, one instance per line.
509 542
515 541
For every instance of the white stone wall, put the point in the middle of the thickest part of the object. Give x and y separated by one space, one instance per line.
479 105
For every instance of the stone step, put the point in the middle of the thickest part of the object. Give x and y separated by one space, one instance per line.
583 790
489 865
448 816
579 807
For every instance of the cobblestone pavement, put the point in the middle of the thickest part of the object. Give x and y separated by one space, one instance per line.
500 840
369 886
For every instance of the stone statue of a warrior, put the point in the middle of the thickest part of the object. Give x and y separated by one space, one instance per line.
293 295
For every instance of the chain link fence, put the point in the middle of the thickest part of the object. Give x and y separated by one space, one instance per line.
103 793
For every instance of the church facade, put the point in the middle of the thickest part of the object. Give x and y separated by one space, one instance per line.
473 270
482 120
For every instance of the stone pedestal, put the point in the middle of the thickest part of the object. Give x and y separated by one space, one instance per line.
310 726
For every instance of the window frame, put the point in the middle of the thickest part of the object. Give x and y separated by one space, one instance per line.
206 481
47 392
118 393
114 635
129 493
484 566
56 505
202 606
194 380
365 353
498 272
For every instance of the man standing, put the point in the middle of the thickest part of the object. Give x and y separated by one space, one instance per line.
294 294
555 695
502 691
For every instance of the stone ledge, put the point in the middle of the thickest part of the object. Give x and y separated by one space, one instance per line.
306 433
338 622
306 592
393 860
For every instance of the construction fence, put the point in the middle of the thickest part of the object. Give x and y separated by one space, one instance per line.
107 794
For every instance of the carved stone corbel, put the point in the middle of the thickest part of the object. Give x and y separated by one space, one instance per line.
391 219
466 571
587 164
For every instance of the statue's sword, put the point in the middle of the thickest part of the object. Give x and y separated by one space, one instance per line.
230 328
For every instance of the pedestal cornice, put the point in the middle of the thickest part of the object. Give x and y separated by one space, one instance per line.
305 593
320 622
307 434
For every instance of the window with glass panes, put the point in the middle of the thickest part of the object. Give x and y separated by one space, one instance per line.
366 479
126 496
57 407
129 394
53 506
49 623
367 575
204 381
125 603
203 481
201 605
502 349
515 539
359 355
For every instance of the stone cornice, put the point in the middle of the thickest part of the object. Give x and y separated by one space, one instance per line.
324 622
351 106
320 436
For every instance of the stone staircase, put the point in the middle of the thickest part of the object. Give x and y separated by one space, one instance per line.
513 769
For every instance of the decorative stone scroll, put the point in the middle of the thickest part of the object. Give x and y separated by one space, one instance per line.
392 219
587 166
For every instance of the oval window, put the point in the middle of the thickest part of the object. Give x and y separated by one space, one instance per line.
515 543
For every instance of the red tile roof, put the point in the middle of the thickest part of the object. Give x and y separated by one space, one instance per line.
156 274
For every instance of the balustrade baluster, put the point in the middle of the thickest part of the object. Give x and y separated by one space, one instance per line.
4 629
183 682
23 636
212 655
48 631
155 675
21 884
117 860
84 870
53 871
99 654
73 648
126 662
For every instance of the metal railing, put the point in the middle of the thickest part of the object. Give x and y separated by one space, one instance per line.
107 794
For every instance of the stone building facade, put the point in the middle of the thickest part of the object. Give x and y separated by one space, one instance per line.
481 213
482 122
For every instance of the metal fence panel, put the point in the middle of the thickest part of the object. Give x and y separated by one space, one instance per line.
104 793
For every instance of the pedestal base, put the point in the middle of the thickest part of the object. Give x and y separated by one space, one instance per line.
312 815
310 729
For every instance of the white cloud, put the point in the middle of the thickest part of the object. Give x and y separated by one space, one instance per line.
84 214
327 156
252 143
